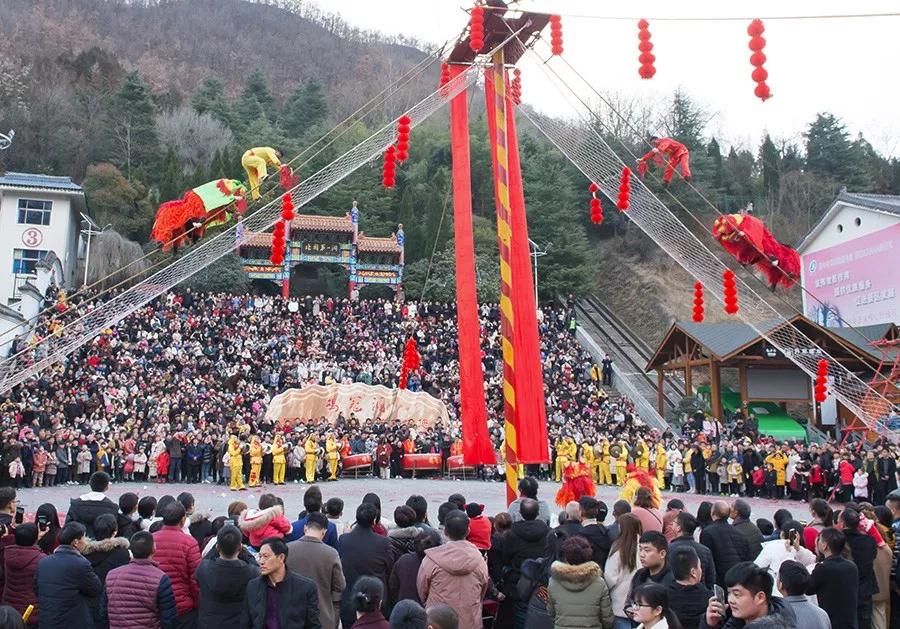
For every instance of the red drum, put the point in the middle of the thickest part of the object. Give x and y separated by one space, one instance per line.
427 462
455 464
357 461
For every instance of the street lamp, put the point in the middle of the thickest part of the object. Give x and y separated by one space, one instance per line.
536 253
90 231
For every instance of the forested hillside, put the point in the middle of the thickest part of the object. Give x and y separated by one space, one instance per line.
142 100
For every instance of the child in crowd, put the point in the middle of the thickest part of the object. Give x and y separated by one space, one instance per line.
759 480
334 511
771 481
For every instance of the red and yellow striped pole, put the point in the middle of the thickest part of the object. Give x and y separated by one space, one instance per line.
504 234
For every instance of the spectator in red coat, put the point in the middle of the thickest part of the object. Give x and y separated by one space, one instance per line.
178 555
479 527
20 562
846 472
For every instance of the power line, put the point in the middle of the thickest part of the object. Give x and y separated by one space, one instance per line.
785 18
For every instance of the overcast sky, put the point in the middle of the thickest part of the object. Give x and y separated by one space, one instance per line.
844 66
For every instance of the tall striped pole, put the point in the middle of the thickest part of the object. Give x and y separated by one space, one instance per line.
504 234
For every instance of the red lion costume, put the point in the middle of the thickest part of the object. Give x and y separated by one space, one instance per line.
636 479
577 482
747 239
178 220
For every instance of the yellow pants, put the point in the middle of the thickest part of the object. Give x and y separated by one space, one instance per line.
253 481
661 478
237 477
332 467
561 462
643 465
605 474
310 468
278 473
621 473
256 171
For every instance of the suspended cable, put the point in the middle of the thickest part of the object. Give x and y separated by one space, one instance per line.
720 18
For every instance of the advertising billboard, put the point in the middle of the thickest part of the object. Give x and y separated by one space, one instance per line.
855 282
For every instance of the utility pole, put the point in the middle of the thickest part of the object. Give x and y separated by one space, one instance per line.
536 253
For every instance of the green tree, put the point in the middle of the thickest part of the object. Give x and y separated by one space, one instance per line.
830 152
171 181
305 109
686 121
771 166
256 102
131 138
113 199
210 98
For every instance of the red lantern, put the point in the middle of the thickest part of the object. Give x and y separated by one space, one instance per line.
476 29
645 46
389 171
729 292
698 302
624 190
286 177
287 207
556 38
758 59
821 388
403 127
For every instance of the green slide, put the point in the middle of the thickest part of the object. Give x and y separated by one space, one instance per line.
771 418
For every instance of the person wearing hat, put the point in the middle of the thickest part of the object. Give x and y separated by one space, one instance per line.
479 527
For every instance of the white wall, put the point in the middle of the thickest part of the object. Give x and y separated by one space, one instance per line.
846 216
60 236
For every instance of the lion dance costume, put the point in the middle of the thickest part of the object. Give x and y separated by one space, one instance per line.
750 242
676 156
577 482
187 218
636 479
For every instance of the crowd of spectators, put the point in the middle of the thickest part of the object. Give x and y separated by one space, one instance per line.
164 563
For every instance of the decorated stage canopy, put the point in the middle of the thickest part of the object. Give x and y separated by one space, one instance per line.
367 402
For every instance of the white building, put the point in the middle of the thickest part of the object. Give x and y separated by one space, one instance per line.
850 262
39 214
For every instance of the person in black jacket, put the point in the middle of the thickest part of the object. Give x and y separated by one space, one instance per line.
297 599
832 580
684 526
88 507
740 516
363 553
727 545
223 582
688 596
527 539
128 515
106 552
593 513
863 549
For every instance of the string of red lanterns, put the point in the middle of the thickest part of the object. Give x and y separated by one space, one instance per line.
403 127
596 207
556 37
476 29
389 169
758 59
729 292
698 302
821 390
645 46
515 91
624 190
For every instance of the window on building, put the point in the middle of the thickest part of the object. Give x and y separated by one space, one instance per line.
25 260
34 212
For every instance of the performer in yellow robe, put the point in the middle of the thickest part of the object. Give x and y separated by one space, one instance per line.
661 462
643 458
587 457
562 458
605 473
331 455
312 451
256 458
622 463
236 462
255 161
278 461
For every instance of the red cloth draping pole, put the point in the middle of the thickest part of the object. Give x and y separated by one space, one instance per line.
495 97
477 447
531 412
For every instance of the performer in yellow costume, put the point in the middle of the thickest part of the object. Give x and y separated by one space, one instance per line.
278 461
562 458
605 473
622 463
779 461
312 451
331 455
587 457
236 462
255 161
643 455
256 457
661 462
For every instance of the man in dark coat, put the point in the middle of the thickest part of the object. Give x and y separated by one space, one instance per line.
138 595
20 561
887 477
88 507
832 580
363 553
296 604
527 539
863 550
684 526
223 582
740 516
727 545
593 513
310 557
65 581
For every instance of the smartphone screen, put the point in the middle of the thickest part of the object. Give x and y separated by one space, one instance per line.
720 593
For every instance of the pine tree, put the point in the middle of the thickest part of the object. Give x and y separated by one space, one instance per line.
171 180
771 167
130 137
256 102
304 110
686 121
830 152
210 98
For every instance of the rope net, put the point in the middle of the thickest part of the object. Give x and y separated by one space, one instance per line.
53 348
580 142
